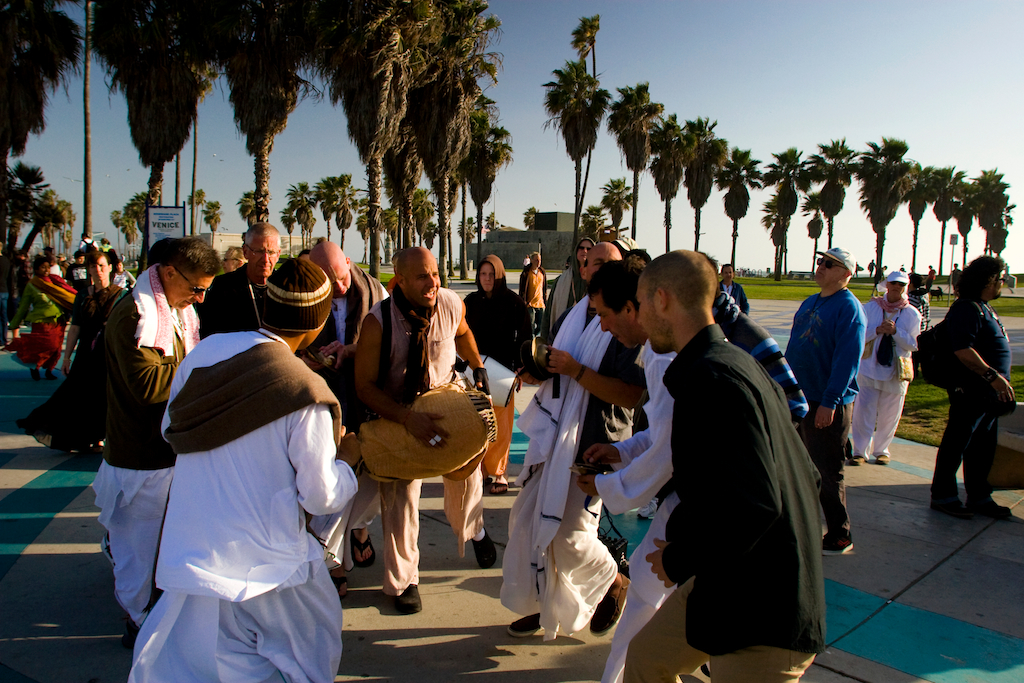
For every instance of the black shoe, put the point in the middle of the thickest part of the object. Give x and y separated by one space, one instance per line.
953 509
409 601
486 555
990 508
131 632
35 373
525 627
49 375
610 608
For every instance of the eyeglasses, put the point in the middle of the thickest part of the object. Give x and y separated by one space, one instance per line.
198 291
263 252
828 263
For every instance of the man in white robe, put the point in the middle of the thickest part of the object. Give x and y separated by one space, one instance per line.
247 596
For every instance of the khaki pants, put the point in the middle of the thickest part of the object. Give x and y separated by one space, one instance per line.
660 652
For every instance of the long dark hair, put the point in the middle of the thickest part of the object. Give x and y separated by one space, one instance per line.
978 274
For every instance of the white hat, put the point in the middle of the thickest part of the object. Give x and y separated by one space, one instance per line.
844 257
898 276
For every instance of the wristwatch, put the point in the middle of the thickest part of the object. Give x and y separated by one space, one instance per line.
990 375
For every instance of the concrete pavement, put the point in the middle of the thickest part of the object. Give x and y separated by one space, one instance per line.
923 597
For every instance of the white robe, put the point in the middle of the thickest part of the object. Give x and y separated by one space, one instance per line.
235 533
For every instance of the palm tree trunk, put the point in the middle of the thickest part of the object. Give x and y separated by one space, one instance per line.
942 246
830 219
636 197
668 225
778 263
736 234
583 188
451 252
373 213
195 162
156 179
408 229
879 247
328 229
814 255
177 178
7 237
261 199
913 253
441 191
576 214
479 231
696 229
964 259
463 251
342 230
87 115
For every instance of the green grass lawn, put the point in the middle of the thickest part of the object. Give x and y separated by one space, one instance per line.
926 410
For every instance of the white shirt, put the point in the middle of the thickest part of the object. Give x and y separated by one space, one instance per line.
339 309
235 525
908 326
646 456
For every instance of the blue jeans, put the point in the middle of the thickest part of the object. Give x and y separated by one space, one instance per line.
970 437
536 316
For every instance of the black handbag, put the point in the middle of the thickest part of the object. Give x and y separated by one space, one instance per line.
885 350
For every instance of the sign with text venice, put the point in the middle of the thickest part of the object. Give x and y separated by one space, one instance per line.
165 221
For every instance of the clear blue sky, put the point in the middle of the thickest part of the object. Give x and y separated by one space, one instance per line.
945 76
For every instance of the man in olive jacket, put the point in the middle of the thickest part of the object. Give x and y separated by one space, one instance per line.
744 542
147 335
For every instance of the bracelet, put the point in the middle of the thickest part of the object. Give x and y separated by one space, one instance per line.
579 375
989 375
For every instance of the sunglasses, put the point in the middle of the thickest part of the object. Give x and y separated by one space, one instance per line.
828 263
198 291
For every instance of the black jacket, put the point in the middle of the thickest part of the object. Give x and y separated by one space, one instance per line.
230 305
747 526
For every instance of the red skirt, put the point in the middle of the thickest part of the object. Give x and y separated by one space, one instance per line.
40 348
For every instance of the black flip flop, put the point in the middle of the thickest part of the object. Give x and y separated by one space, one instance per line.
361 546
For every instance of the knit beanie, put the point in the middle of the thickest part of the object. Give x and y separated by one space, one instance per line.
298 297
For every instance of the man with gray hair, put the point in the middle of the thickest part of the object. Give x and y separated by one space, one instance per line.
235 301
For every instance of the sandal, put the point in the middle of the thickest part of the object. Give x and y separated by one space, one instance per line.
360 547
498 488
340 584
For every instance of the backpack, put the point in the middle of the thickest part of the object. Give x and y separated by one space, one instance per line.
939 365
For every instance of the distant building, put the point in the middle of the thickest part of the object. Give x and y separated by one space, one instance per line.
551 236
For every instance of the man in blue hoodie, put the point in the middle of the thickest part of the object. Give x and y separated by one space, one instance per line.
824 351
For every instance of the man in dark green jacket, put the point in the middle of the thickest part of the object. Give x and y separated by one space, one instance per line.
744 542
147 335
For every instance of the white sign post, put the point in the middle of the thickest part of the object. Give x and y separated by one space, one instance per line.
164 222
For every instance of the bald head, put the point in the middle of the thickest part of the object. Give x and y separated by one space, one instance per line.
417 276
338 267
599 254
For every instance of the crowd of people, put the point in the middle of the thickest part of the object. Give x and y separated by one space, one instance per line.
245 381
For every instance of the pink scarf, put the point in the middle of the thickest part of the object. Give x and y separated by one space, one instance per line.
156 322
890 307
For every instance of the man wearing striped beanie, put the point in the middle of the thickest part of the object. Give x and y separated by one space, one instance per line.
257 434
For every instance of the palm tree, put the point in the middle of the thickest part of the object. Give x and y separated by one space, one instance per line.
403 170
153 54
833 165
792 176
247 208
530 218
22 198
346 202
441 104
87 124
422 211
920 193
592 222
617 199
812 207
195 201
992 203
670 150
777 226
49 213
365 55
288 221
490 151
947 182
212 215
302 204
206 76
134 215
576 105
117 220
964 210
584 38
40 47
707 154
631 119
325 194
737 174
262 46
997 237
884 177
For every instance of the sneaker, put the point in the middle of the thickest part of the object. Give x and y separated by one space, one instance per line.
648 511
953 509
839 546
486 555
409 601
882 459
990 508
525 627
856 461
610 608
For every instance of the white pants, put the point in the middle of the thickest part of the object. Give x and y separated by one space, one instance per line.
132 505
876 414
292 634
334 530
646 593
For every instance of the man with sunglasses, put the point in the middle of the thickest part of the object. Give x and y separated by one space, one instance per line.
824 351
146 337
235 303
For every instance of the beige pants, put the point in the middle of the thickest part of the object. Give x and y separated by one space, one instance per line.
660 652
495 460
400 522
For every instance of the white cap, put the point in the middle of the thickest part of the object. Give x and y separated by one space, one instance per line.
898 276
843 257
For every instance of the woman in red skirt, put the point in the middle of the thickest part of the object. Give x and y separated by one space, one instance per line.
44 304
